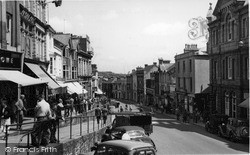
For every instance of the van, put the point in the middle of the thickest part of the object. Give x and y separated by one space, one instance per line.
123 147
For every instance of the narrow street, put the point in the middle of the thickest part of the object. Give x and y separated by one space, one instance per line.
174 137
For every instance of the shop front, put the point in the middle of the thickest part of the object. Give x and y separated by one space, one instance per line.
12 80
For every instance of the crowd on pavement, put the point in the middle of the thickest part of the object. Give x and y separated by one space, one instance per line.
47 114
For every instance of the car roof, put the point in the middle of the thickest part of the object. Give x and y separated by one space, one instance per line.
127 144
129 128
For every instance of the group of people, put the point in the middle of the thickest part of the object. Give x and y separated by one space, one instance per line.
101 112
12 112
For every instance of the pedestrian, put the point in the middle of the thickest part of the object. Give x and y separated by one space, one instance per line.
121 109
56 114
5 115
20 111
98 114
104 114
178 113
184 116
71 103
41 134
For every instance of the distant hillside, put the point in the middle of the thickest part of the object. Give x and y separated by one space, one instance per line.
109 74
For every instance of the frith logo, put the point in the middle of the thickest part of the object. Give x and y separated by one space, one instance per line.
198 29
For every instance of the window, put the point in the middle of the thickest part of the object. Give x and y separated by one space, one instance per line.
226 103
9 25
190 65
178 67
179 82
184 83
51 65
246 68
223 69
215 70
244 26
234 104
223 33
229 28
184 66
230 68
232 27
191 85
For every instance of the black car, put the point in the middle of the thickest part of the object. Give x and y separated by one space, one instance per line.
215 120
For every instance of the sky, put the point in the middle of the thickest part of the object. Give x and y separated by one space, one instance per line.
126 34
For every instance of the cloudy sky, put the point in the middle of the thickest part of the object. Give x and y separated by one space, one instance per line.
130 33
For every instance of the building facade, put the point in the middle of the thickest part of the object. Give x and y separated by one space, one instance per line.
192 76
228 48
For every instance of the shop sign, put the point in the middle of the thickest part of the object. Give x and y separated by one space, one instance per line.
27 16
10 59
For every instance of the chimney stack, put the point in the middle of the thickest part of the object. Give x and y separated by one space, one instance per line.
160 61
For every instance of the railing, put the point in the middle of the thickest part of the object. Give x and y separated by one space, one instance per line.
87 117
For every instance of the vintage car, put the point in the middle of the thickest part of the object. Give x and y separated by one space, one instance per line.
118 132
214 121
140 119
126 147
235 129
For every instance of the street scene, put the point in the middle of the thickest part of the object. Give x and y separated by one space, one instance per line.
124 77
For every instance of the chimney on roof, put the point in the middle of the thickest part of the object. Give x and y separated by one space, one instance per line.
160 61
166 61
154 63
189 48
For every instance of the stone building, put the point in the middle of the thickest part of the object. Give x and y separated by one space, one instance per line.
192 77
228 48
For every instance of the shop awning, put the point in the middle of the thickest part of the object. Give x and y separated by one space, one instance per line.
43 75
244 104
19 78
80 88
99 91
72 88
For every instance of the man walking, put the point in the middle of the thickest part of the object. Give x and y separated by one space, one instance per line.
104 114
98 114
20 111
41 133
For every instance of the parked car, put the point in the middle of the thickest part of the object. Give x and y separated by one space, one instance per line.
118 132
214 121
126 147
235 129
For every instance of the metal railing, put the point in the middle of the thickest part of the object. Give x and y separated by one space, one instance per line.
75 124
